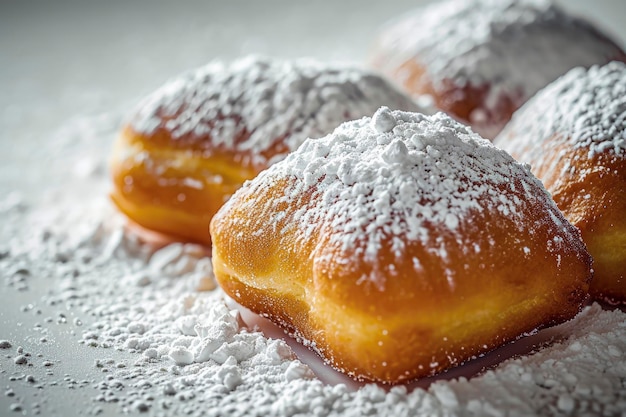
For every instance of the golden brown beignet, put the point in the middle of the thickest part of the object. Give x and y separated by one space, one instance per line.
193 142
480 60
399 246
573 134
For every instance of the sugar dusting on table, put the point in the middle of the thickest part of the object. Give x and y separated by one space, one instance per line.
166 349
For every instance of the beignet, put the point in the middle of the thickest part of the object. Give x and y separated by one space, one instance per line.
399 246
480 60
193 142
573 134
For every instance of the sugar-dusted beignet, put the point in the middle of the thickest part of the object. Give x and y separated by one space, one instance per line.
399 246
193 142
573 134
479 60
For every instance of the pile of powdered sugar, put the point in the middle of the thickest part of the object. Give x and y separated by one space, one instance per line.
156 345
584 108
256 104
514 47
403 177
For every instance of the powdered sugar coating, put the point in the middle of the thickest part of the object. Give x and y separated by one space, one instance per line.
396 177
253 104
514 46
583 109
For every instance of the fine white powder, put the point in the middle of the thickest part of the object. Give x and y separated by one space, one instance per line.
515 47
582 109
256 104
395 177
157 346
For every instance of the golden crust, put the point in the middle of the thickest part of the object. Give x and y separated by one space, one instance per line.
170 189
591 193
420 324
